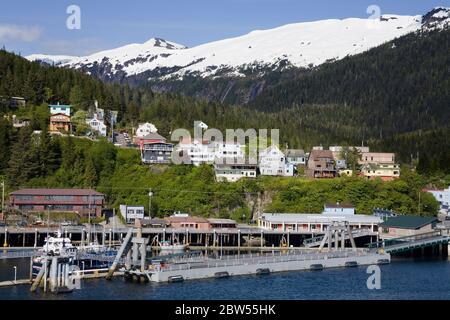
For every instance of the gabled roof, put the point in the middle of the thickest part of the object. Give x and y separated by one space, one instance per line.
408 222
154 136
294 153
317 154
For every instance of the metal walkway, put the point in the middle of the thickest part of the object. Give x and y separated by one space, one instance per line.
410 243
315 241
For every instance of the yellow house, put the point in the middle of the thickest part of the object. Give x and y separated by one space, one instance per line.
384 171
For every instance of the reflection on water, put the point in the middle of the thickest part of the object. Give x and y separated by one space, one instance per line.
403 279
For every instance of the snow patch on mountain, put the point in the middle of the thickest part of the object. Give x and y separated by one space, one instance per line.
304 44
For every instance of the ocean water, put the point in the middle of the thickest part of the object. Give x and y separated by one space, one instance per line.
402 279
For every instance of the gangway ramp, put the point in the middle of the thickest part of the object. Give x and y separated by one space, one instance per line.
356 233
409 243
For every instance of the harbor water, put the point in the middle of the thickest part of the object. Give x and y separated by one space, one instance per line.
402 279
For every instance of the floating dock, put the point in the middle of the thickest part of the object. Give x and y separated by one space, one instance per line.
254 263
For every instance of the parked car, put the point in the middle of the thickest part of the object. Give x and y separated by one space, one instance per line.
2 224
22 224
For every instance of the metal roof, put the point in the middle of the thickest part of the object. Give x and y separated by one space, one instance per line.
408 222
313 218
57 192
294 153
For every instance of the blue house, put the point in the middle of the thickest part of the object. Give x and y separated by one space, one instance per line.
60 109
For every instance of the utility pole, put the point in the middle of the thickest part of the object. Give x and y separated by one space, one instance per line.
150 195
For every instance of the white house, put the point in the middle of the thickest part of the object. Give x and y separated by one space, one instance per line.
228 151
337 208
443 197
234 172
273 162
196 152
145 129
97 125
131 213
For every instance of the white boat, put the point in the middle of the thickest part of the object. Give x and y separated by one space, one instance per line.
58 246
167 246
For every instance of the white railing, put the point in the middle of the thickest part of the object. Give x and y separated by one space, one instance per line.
252 259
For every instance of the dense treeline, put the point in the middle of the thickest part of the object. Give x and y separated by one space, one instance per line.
38 83
32 159
401 86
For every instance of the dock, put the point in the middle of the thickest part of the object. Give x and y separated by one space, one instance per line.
14 283
251 264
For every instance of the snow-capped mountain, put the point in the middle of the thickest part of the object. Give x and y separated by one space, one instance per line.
301 45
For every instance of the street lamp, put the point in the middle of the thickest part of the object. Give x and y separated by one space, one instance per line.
3 196
150 195
5 244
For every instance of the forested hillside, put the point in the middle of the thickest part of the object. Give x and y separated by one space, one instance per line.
399 87
28 159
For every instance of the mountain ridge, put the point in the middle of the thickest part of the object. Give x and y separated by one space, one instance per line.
301 45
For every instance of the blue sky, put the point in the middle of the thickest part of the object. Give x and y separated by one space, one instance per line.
40 26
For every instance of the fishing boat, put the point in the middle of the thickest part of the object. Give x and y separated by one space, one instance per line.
58 246
171 247
63 248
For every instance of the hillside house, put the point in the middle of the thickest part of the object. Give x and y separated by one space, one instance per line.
296 156
235 172
145 129
60 109
97 125
383 171
321 165
155 150
196 152
443 197
60 122
273 162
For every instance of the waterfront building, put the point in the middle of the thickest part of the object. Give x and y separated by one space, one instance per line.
84 202
132 213
315 223
188 222
321 164
402 226
222 224
443 197
319 222
273 162
154 223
